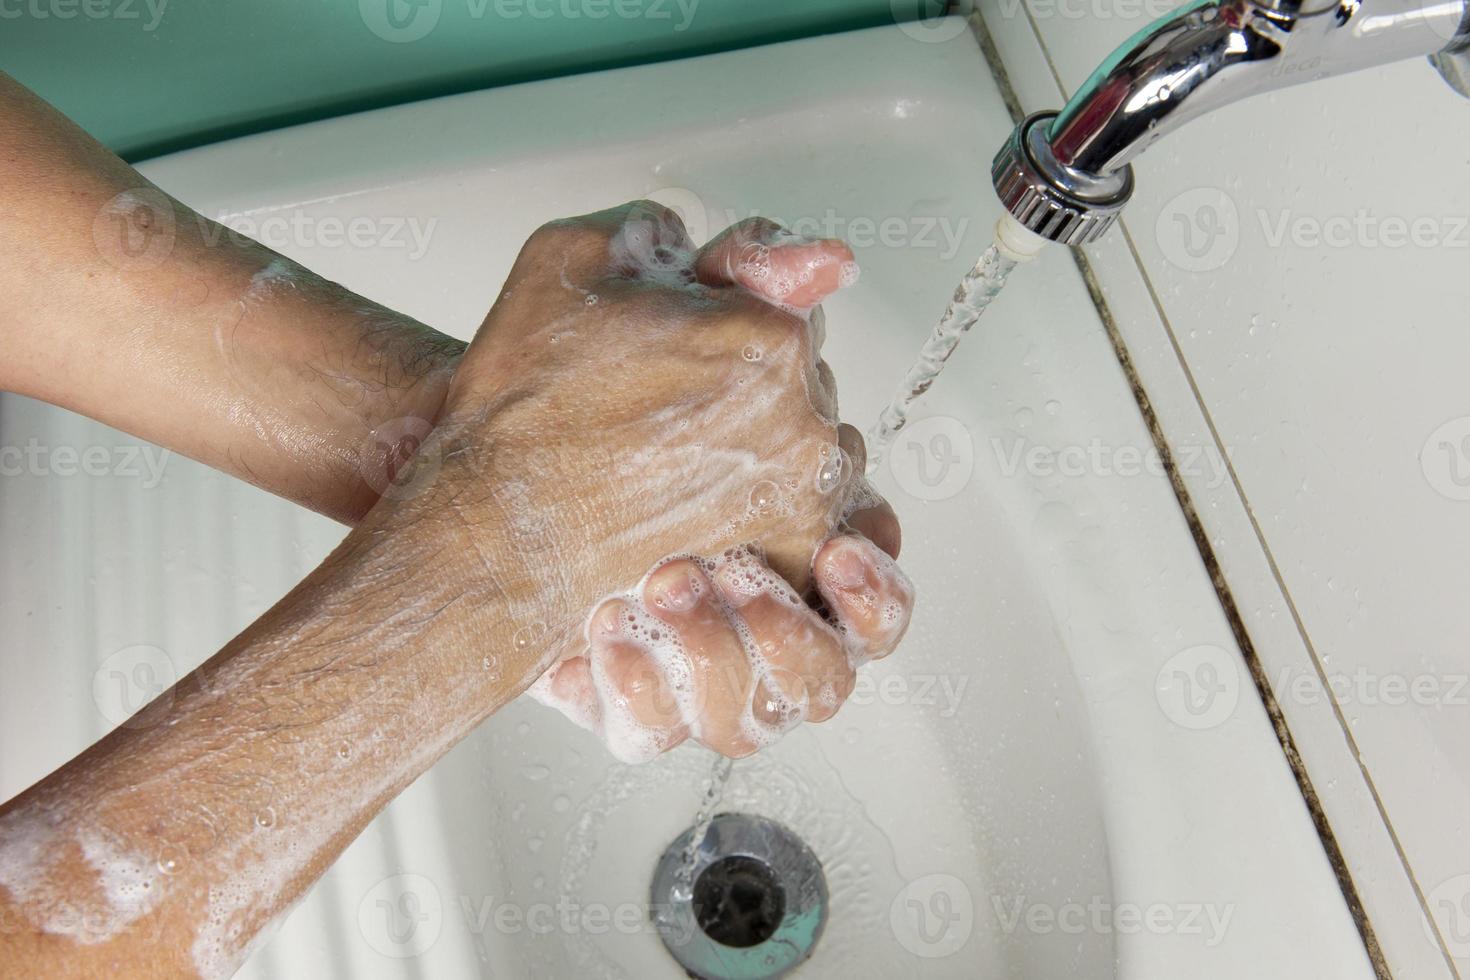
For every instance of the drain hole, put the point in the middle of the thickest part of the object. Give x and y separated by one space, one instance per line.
738 902
757 905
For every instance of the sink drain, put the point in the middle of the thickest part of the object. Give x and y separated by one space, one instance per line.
757 905
738 902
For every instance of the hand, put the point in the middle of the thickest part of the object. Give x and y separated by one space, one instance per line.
581 446
628 399
762 659
726 652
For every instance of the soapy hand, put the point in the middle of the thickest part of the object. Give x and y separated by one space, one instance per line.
629 399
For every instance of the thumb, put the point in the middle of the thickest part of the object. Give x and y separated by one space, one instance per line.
777 265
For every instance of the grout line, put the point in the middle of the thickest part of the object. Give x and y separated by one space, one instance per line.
1051 65
1212 566
1002 77
1211 561
1290 602
1237 625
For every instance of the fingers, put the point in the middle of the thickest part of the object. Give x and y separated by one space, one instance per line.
642 714
804 672
649 242
646 240
726 652
562 272
867 593
735 662
876 521
850 441
871 516
637 240
780 267
567 686
680 596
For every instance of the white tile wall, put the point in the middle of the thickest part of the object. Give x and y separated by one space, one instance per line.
1306 332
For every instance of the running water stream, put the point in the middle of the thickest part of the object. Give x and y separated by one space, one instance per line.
976 291
714 791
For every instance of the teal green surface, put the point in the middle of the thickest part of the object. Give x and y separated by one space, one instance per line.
149 76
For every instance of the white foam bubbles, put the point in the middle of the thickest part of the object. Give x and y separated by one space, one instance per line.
646 248
774 701
277 272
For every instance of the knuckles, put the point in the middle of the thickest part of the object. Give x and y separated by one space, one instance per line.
734 318
560 243
589 237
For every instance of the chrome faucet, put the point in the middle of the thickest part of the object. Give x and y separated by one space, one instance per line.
1066 175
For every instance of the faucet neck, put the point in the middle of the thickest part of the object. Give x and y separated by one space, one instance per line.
1211 53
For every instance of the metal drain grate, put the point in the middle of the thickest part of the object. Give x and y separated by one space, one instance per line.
757 905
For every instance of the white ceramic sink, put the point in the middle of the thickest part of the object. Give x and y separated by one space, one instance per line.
1017 793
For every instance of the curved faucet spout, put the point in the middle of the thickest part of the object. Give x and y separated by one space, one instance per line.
1062 169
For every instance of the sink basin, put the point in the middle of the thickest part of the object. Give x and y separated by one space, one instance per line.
1013 794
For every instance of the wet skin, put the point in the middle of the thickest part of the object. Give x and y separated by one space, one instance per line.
263 764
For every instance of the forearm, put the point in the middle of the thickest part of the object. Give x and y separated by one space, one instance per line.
167 847
124 305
